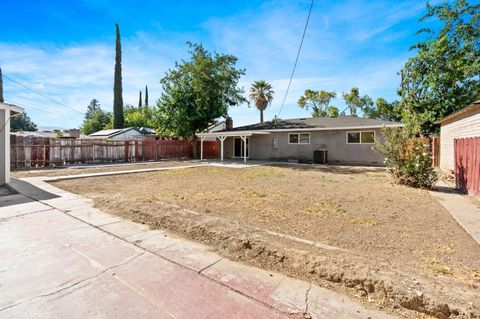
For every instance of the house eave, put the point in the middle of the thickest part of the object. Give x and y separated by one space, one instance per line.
12 108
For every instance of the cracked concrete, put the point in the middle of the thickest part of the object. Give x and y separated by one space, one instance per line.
60 260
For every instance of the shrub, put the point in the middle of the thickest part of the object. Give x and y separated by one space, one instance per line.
408 160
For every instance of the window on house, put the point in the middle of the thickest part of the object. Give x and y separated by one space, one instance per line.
293 138
353 137
367 137
299 138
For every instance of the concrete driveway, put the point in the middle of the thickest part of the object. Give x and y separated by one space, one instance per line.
62 258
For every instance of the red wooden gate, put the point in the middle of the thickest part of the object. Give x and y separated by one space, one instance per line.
467 164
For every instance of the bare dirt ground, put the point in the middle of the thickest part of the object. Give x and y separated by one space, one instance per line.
397 246
75 170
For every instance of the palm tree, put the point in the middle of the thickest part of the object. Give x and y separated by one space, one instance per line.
262 94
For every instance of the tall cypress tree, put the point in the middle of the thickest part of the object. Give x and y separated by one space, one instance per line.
140 100
146 96
118 117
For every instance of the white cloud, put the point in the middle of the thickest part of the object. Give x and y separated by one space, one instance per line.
336 56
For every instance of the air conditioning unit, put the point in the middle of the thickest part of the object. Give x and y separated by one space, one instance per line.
320 156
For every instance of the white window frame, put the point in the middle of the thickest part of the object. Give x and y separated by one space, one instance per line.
298 143
360 141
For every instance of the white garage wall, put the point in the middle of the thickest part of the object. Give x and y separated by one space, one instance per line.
467 125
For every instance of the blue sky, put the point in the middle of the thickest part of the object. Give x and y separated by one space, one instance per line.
65 49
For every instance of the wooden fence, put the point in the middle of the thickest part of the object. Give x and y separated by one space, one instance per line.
30 152
433 144
467 164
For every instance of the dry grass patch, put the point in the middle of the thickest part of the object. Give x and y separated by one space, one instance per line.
358 210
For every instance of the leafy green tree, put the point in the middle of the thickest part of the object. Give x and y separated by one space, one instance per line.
92 108
384 110
318 101
332 111
443 76
99 121
118 117
261 93
357 103
140 99
197 92
22 122
137 116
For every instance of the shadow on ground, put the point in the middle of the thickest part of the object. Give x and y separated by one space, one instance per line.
23 192
330 168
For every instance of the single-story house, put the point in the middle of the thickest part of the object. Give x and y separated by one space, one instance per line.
6 112
343 140
129 133
463 123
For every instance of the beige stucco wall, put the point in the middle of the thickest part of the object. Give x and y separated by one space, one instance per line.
467 125
262 148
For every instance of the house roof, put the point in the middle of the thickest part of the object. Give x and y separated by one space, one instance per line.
115 132
12 107
341 122
466 111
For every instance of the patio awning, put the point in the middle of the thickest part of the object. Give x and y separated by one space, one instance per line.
11 107
222 135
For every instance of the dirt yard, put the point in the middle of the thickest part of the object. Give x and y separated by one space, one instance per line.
373 222
88 169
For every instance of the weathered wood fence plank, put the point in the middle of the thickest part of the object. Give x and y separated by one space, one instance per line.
31 152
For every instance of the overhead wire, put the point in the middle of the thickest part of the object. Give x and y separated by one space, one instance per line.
41 94
296 59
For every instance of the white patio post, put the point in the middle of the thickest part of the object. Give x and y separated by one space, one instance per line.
4 146
221 138
202 138
244 139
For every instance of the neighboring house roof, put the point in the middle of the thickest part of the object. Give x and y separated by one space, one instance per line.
44 134
466 111
341 122
115 132
220 126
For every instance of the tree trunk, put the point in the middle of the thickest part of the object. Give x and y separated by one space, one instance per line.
261 116
194 142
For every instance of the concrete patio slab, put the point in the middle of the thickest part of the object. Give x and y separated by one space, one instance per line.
172 288
14 199
463 208
159 242
251 281
192 255
125 228
94 216
21 205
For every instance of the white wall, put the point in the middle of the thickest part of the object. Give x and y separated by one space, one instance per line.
129 135
466 126
4 147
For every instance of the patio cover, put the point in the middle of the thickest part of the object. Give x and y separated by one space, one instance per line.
222 135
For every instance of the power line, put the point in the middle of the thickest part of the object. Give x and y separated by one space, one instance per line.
42 95
296 60
61 112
